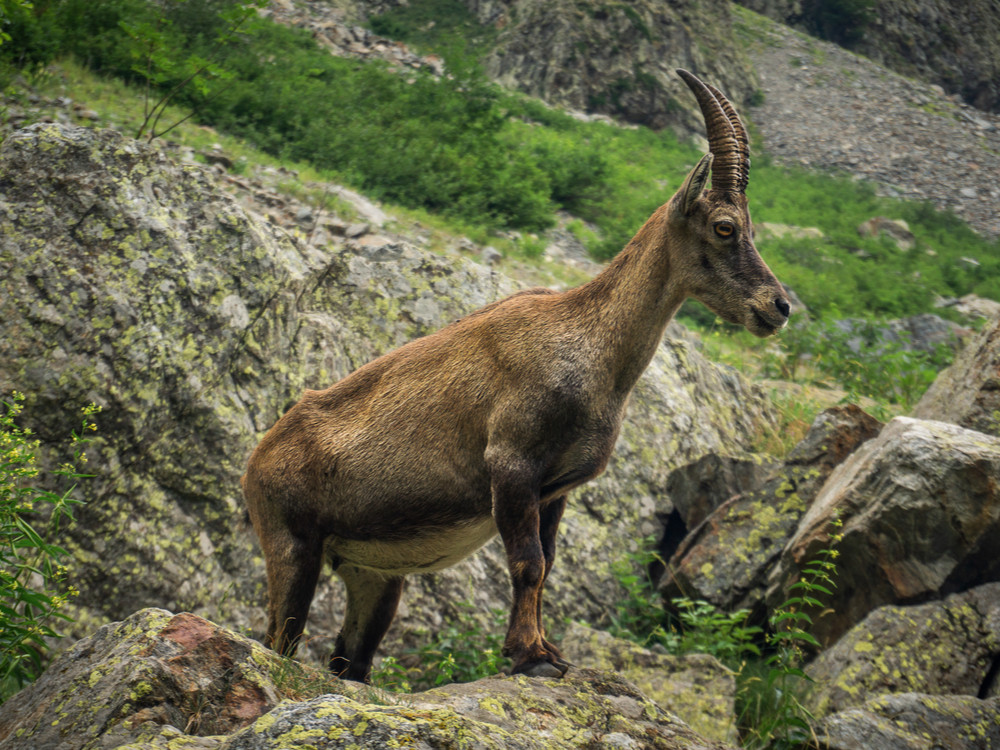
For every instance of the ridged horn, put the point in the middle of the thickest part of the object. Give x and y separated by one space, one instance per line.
741 135
727 173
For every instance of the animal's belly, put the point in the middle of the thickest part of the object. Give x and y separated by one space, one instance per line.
428 550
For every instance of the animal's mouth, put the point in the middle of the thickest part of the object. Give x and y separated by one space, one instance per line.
761 326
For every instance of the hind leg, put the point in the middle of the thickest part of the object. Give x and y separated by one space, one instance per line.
293 566
372 599
548 527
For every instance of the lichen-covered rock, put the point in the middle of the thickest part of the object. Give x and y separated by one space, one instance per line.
698 489
618 58
920 506
155 667
727 558
134 282
946 647
913 721
696 687
179 682
968 392
585 709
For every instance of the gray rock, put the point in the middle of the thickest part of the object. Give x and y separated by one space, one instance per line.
968 392
726 559
945 647
490 255
920 507
695 687
179 682
895 229
913 721
618 59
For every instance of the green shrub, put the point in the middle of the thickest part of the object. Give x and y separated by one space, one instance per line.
31 519
686 626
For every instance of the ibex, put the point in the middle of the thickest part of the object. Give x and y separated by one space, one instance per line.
417 459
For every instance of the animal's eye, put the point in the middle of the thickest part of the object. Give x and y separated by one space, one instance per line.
725 229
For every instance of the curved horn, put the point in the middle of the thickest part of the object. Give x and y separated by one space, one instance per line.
741 135
722 141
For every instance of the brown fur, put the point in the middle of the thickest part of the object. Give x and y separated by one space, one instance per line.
418 458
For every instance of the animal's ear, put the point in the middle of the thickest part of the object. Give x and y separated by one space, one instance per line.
694 184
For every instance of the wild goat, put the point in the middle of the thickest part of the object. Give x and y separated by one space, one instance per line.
420 457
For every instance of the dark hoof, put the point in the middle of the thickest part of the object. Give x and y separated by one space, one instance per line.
543 668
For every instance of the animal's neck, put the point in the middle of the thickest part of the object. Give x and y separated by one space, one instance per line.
629 304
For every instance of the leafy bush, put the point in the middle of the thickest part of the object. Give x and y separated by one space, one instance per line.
31 574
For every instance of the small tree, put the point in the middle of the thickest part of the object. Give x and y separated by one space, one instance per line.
157 57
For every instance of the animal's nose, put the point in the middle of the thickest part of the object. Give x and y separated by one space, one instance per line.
782 305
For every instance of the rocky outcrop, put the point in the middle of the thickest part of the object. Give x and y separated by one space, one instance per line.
946 647
920 507
954 45
726 559
968 392
618 58
134 282
336 28
179 682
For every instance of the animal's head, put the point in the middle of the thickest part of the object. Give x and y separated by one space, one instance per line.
719 263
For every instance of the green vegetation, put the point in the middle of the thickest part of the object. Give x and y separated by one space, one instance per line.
686 626
770 695
771 684
31 574
454 652
462 148
446 27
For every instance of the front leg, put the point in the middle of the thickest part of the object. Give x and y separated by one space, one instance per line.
517 514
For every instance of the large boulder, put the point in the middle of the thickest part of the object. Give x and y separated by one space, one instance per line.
946 647
617 58
968 392
726 559
920 508
914 721
134 282
179 682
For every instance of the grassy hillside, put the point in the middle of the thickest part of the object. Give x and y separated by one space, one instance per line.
486 161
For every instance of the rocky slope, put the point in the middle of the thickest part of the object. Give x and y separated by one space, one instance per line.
953 45
618 58
830 109
819 105
600 58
